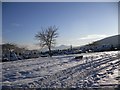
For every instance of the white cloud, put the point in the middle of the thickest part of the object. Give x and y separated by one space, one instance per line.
29 46
32 46
93 36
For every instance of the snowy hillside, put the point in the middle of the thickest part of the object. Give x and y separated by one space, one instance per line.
113 40
94 70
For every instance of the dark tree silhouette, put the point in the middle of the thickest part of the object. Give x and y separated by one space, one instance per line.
47 37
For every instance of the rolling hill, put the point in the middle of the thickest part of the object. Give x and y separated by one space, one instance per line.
112 40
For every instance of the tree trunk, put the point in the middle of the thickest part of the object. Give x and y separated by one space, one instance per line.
50 52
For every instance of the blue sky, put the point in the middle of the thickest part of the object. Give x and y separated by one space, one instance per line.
79 23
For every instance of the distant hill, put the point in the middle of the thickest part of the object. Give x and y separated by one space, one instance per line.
112 40
109 43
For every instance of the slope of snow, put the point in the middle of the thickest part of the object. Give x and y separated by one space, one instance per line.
58 71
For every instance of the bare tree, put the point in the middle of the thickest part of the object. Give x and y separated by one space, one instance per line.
47 37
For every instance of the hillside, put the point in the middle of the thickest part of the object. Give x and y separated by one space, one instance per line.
113 40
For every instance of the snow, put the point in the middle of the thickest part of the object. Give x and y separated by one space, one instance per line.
61 71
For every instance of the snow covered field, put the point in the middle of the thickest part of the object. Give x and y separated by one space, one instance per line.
94 70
